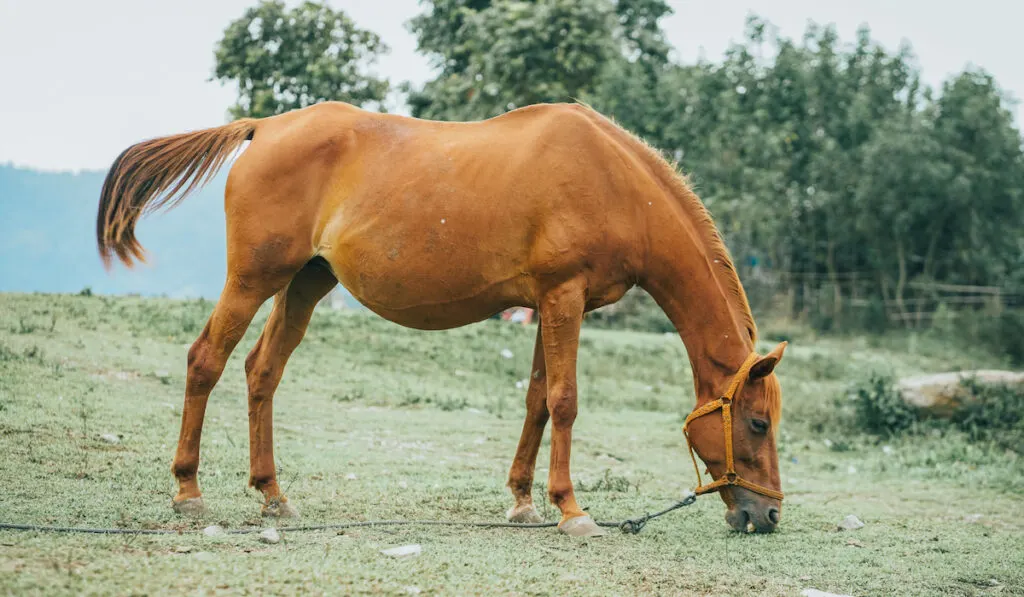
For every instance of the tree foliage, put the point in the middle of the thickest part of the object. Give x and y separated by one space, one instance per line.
496 55
284 59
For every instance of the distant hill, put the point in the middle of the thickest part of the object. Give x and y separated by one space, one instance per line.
47 239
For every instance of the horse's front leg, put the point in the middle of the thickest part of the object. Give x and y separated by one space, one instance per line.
561 314
520 476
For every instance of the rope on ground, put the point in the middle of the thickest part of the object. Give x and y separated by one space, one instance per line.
630 526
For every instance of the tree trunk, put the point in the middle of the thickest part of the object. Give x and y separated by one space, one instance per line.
901 284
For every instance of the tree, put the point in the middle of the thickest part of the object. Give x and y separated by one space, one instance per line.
285 59
496 55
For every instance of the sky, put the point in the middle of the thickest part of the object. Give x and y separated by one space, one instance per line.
83 80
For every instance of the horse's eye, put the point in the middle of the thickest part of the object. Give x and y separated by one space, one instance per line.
759 425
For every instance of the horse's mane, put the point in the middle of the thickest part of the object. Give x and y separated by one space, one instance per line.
680 185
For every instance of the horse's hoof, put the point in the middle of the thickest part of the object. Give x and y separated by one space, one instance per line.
279 509
581 526
526 514
189 506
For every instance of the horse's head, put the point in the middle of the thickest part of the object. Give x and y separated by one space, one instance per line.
742 458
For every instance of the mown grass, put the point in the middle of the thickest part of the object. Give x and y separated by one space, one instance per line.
375 421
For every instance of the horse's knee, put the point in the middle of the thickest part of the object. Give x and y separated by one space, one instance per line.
562 407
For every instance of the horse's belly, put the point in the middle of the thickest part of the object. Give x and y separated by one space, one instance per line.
419 281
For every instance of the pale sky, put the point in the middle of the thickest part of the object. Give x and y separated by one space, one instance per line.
82 80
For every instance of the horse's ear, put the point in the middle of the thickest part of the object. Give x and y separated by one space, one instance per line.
766 364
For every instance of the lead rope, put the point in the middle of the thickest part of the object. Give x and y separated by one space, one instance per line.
630 526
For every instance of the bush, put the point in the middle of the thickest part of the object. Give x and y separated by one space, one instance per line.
1001 334
993 413
879 409
996 413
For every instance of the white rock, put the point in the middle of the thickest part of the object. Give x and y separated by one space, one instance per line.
850 523
403 551
214 530
270 536
204 556
412 590
817 593
828 443
110 438
351 476
506 353
851 469
887 450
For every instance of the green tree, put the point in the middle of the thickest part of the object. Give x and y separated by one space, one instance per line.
496 55
283 59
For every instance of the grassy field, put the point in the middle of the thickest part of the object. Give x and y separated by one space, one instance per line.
376 421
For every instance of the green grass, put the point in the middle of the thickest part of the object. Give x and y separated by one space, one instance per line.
427 423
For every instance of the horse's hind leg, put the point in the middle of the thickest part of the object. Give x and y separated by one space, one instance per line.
235 308
264 367
520 476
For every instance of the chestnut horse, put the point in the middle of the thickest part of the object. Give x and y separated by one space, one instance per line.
436 225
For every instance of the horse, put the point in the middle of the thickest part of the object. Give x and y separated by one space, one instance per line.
436 225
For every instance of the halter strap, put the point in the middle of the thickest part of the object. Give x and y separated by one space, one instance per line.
731 477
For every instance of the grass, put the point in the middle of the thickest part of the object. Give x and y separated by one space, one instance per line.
376 421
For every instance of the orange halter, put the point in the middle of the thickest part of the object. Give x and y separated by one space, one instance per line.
731 477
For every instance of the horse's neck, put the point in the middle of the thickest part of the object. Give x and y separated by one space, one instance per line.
682 278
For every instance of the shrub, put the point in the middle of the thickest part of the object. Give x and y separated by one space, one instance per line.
996 413
879 409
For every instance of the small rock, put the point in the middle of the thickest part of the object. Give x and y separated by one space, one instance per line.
851 469
817 593
270 536
110 438
480 441
412 590
403 551
854 543
972 518
887 450
805 578
214 530
183 549
351 476
506 353
828 443
850 523
993 582
204 556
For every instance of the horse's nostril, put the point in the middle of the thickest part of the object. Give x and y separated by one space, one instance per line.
773 515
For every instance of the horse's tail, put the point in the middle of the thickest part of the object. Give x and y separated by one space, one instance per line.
159 173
